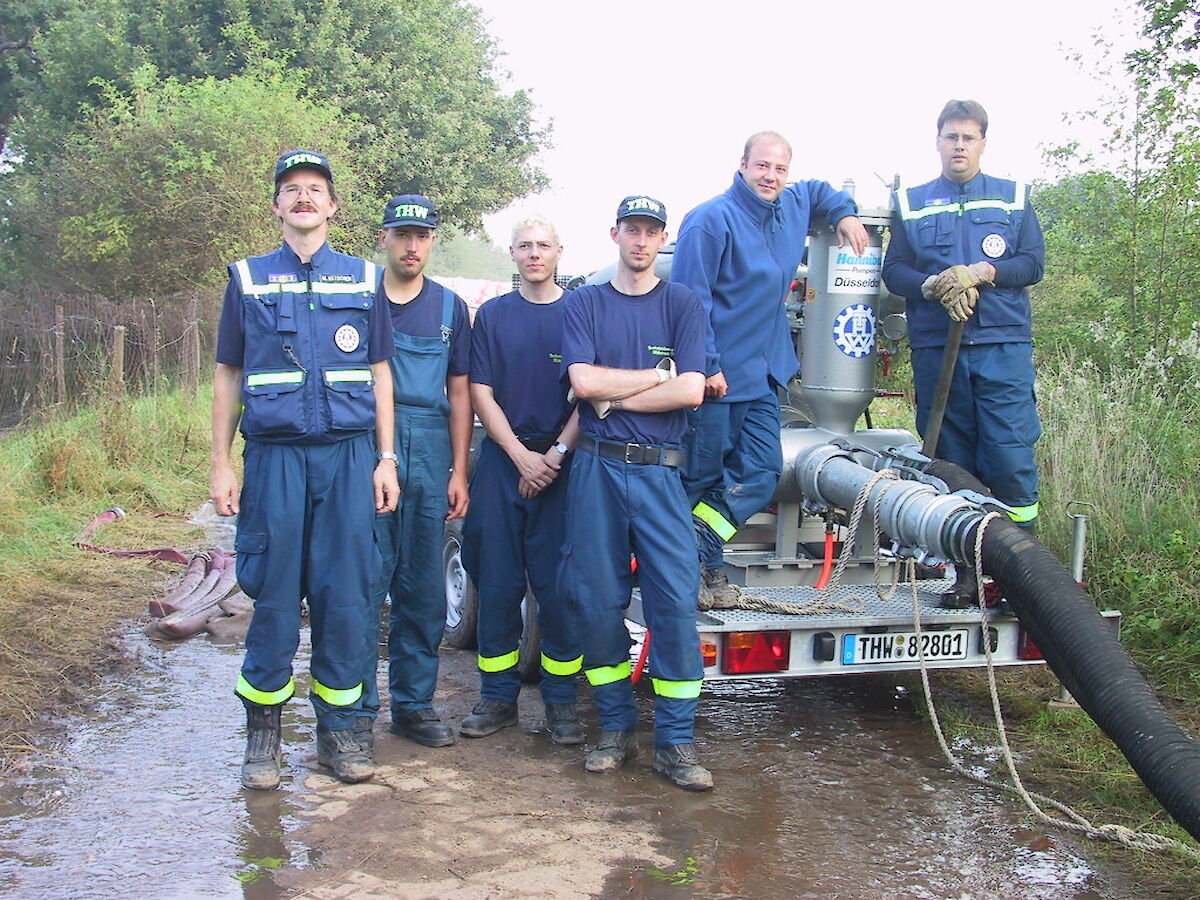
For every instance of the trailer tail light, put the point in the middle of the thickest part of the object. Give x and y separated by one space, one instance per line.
708 650
1026 648
756 652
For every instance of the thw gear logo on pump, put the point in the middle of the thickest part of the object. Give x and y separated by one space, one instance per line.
854 331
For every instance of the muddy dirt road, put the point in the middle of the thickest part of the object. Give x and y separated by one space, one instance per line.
830 790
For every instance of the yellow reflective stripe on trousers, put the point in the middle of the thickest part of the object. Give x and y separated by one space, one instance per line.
677 690
559 667
498 663
264 698
258 379
334 697
608 674
722 527
348 375
1024 513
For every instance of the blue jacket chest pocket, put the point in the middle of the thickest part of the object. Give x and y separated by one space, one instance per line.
350 395
274 403
343 326
993 233
935 234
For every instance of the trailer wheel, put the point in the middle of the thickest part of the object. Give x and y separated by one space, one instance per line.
462 604
529 655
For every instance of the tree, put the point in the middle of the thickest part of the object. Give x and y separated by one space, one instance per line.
418 82
164 184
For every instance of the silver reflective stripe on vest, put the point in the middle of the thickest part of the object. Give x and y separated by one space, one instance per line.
251 289
908 214
258 379
348 375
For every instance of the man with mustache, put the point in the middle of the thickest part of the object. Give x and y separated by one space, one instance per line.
431 331
302 353
965 247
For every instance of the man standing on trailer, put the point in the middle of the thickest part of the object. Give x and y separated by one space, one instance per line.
302 353
634 348
739 252
513 532
966 246
432 354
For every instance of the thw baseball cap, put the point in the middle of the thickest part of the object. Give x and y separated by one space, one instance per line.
410 209
303 159
641 205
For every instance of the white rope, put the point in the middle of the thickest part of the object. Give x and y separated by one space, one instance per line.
1074 822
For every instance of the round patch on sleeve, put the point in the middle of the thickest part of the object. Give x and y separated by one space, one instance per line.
347 338
994 246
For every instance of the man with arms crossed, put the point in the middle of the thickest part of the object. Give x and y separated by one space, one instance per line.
634 348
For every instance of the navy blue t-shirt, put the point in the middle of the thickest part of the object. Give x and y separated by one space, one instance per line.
231 335
422 317
516 349
604 327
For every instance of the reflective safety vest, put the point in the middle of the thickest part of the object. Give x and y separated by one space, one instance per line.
948 224
306 373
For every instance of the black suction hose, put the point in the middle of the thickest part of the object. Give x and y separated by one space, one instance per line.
1082 649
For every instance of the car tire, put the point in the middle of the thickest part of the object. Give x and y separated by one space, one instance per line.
462 603
529 655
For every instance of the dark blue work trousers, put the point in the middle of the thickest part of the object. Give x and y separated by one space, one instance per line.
615 509
508 539
991 421
410 541
305 530
734 463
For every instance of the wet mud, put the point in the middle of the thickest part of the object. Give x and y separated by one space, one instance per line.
827 789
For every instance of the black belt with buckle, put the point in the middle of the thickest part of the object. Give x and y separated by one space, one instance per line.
634 454
537 444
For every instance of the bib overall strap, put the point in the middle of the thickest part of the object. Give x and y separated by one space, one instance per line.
447 314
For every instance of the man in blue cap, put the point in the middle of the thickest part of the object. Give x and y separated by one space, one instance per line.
431 359
739 252
634 349
302 354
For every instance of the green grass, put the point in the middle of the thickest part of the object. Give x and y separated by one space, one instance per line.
147 455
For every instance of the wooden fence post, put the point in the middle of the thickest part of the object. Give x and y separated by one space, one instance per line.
193 343
60 364
117 368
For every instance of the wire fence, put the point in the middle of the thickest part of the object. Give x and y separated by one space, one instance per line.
59 350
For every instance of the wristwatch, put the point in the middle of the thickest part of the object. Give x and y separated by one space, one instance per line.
388 454
562 448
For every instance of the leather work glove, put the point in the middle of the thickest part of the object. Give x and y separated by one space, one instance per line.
958 278
666 369
602 408
927 287
960 305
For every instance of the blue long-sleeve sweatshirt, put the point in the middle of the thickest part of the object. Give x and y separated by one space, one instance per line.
739 253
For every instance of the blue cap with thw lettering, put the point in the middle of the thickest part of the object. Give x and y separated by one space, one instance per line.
303 159
641 205
410 209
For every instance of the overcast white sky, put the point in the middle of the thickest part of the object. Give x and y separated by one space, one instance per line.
657 96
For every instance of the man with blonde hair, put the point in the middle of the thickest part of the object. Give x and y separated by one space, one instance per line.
514 527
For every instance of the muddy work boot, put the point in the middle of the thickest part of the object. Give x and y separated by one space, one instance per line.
612 752
724 594
260 768
680 765
422 726
562 719
339 751
488 717
364 733
964 594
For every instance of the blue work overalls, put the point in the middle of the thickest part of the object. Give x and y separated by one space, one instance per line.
305 526
506 537
410 539
618 509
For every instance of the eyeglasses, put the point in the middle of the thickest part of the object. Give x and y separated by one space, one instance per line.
293 191
967 139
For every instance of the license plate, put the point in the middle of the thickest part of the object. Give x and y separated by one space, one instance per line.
902 646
